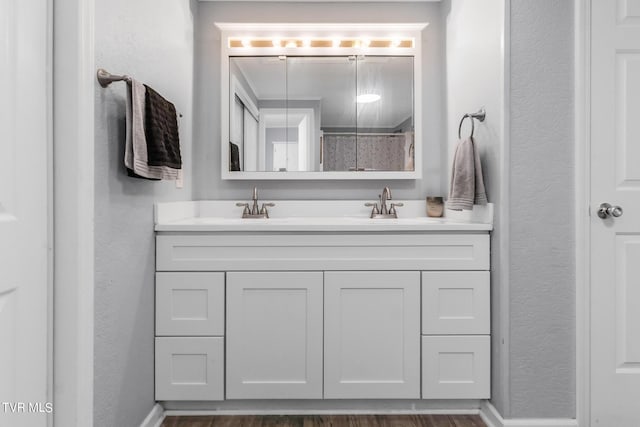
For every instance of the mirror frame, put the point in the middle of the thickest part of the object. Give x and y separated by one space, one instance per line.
282 31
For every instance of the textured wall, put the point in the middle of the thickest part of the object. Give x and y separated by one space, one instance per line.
151 40
542 280
208 184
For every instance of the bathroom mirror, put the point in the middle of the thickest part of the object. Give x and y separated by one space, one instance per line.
321 114
320 101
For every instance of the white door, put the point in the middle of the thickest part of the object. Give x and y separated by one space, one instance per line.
23 213
615 241
372 335
274 335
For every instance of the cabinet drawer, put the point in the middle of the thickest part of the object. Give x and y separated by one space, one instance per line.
322 251
456 367
455 303
189 368
189 304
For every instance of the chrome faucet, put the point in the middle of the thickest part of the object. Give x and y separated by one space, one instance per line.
253 211
386 195
384 211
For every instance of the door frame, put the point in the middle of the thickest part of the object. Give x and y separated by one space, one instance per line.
74 85
582 183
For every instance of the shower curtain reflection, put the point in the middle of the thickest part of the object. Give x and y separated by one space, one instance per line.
363 152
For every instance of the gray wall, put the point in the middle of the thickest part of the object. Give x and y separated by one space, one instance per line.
208 184
151 40
542 280
475 41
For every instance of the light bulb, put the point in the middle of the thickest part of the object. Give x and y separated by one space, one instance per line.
367 98
246 42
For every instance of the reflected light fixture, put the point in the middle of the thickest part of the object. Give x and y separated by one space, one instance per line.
246 42
306 42
336 42
276 43
365 43
367 98
395 43
291 44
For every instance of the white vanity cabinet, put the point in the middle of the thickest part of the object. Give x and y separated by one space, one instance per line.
354 314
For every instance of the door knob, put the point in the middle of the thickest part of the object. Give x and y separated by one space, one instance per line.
606 211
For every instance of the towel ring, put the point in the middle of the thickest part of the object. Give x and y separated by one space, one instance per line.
480 116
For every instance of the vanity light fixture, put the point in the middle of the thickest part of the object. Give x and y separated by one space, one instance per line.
367 98
399 43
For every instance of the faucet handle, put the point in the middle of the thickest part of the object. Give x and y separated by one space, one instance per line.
246 208
392 209
375 209
263 209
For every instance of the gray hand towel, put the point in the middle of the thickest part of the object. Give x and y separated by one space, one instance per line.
467 185
135 155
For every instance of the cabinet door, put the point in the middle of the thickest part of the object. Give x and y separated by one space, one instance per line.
189 368
189 304
372 335
274 335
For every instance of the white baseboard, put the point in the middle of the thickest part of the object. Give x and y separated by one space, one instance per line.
487 412
492 418
331 406
155 417
175 413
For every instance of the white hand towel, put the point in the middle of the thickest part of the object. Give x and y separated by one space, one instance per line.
467 184
135 155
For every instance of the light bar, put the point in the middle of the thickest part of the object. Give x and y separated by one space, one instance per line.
331 43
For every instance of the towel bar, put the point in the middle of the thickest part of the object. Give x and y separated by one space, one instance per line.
480 115
105 78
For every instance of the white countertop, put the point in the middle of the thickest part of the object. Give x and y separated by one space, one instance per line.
314 216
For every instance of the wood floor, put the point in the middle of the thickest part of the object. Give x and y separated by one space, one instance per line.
327 421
